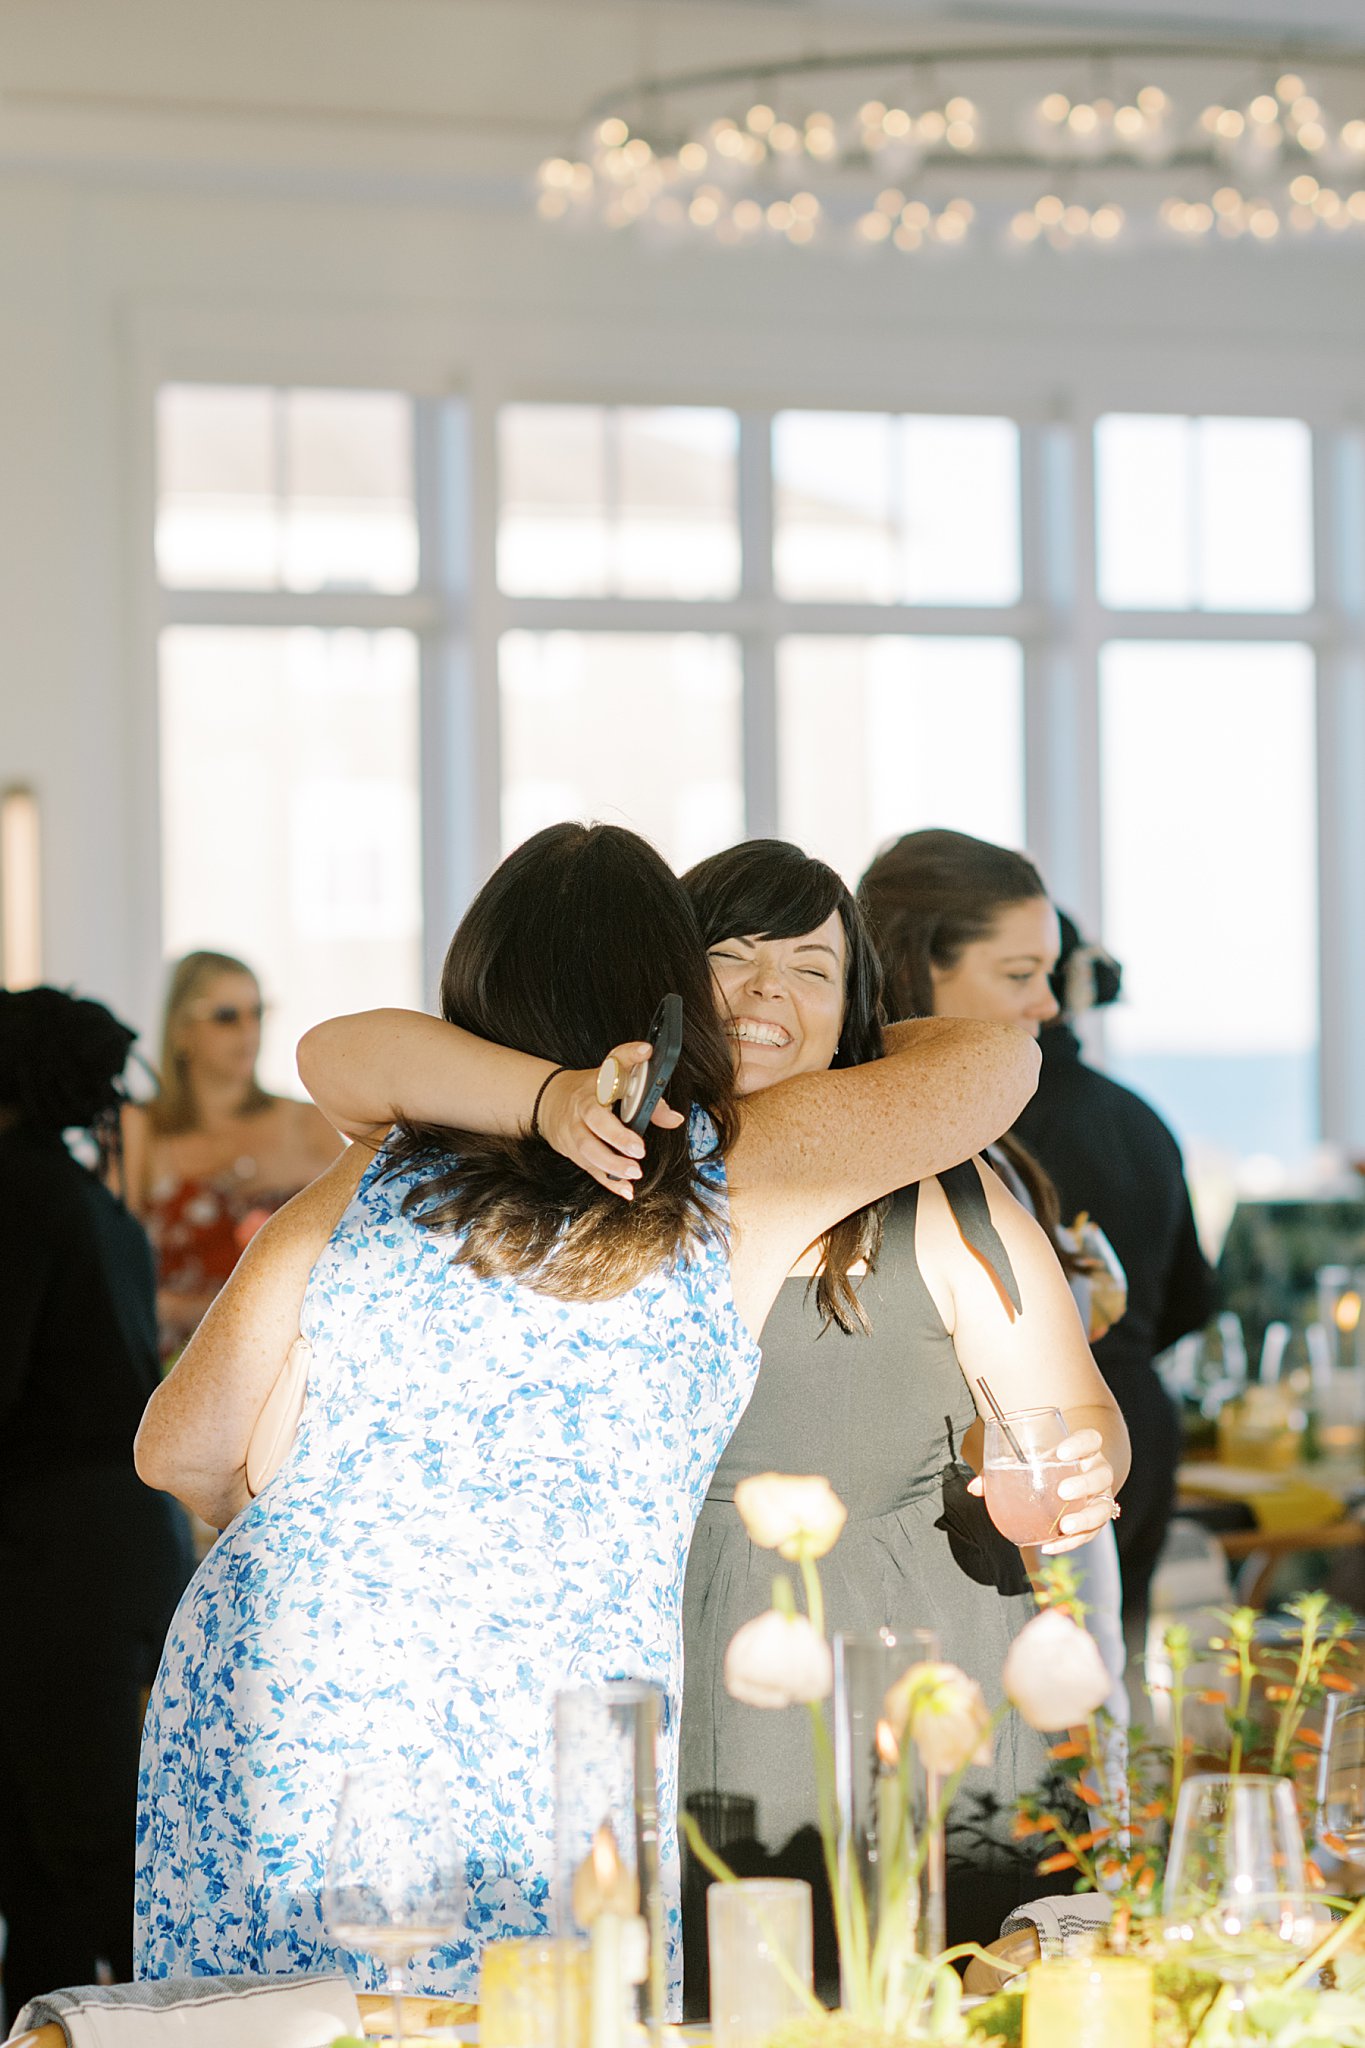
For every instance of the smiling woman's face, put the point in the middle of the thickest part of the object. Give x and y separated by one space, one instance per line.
783 1001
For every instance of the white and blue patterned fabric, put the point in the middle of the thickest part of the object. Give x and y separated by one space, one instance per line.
490 1497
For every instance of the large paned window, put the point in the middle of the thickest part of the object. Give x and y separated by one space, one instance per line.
289 754
836 626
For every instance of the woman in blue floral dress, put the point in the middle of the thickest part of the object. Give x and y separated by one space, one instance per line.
530 1341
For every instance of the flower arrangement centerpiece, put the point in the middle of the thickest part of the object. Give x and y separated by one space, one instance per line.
931 1724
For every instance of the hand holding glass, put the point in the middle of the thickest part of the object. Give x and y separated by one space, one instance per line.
1022 1493
394 1886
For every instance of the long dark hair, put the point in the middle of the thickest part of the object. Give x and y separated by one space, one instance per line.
565 952
770 889
927 897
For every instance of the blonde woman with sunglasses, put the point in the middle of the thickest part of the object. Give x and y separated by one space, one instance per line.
212 1155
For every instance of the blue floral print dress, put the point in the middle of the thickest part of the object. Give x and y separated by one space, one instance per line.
490 1496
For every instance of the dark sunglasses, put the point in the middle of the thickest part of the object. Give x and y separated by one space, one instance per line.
231 1013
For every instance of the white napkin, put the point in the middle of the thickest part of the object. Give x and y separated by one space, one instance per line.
1064 1921
200 2012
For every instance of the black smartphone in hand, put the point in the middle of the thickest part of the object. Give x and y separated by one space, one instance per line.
648 1081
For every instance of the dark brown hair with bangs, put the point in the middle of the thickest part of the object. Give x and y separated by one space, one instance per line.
564 953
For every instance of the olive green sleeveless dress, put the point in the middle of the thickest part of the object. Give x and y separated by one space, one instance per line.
883 1417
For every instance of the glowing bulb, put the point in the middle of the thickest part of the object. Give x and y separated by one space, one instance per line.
1346 1315
871 113
873 227
1025 227
1076 219
780 215
1049 209
1264 108
1304 109
759 119
1290 87
637 153
729 142
1227 199
1230 124
1353 135
1303 189
1327 205
891 201
1054 110
783 138
959 109
692 158
556 170
581 180
1355 206
960 135
916 215
1152 100
818 120
1130 122
1264 223
820 142
1302 219
908 238
950 227
963 208
897 123
801 231
747 216
1105 222
805 206
931 127
612 132
1210 118
1312 137
1198 218
1083 120
703 212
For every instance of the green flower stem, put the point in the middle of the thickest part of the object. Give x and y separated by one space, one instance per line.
721 1870
1241 1622
1326 1948
815 1598
1178 1650
1310 1612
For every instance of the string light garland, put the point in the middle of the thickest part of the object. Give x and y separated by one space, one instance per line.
1044 145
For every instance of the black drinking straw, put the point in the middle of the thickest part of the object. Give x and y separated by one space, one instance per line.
1010 1438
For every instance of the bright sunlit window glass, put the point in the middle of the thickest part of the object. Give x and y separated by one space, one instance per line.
1210 890
882 736
289 817
1208 514
915 509
640 729
263 489
618 501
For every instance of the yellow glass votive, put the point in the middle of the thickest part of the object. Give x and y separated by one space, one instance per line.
1089 2002
534 1994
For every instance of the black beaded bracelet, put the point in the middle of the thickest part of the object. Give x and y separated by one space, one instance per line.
535 1107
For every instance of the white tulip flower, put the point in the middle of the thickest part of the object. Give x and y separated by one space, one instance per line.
778 1660
945 1715
799 1518
1054 1673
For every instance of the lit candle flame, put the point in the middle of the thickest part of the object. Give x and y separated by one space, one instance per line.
888 1749
602 1884
1347 1312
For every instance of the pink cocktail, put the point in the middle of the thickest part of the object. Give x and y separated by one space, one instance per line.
1022 1495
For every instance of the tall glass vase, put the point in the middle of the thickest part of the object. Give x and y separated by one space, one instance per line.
607 1879
885 1803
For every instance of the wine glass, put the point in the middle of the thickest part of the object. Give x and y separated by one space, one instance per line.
1236 1889
1021 1493
394 1887
1341 1779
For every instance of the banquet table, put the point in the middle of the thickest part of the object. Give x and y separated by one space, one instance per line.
424 2015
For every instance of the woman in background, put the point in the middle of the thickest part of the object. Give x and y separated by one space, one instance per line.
1109 1153
966 929
91 1562
212 1154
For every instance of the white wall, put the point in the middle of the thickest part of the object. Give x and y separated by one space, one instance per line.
326 192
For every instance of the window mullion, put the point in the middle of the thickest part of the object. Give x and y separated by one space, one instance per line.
759 640
1339 548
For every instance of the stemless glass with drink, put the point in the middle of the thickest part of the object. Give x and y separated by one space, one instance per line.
395 1886
1022 1473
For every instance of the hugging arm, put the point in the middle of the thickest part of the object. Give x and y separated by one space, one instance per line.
196 1428
367 1070
1035 1356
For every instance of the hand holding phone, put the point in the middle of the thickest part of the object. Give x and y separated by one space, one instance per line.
646 1083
